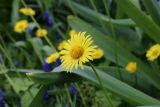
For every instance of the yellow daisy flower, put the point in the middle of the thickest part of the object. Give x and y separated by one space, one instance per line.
131 67
21 26
61 45
72 32
27 11
98 54
77 51
153 53
41 32
52 58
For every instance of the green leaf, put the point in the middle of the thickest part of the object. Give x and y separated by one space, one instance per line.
93 16
142 20
48 50
108 45
49 78
114 85
153 9
15 11
32 97
37 46
36 102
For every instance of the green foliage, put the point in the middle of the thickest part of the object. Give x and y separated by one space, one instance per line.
124 29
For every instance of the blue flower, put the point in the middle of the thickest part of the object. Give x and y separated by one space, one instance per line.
48 18
72 88
46 66
58 35
58 62
30 30
46 96
66 105
2 102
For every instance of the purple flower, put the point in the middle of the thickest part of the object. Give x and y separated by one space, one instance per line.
58 35
58 62
48 18
46 66
72 88
46 96
2 102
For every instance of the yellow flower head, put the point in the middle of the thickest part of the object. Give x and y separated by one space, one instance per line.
27 11
61 45
98 54
153 53
52 58
77 51
131 67
41 32
21 26
72 32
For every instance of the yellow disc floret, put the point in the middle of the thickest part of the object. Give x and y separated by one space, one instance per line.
21 26
27 11
41 32
153 53
131 67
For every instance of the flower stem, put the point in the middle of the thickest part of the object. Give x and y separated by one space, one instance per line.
102 86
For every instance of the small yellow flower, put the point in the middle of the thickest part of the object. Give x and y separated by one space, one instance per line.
61 45
27 11
153 53
77 51
72 32
21 26
131 67
41 32
52 58
98 54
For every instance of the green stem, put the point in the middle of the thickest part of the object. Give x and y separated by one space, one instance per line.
39 27
70 5
81 95
136 79
102 87
114 37
68 94
100 21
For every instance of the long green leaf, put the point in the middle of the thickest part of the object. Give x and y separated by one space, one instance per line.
142 20
153 8
123 90
107 44
93 16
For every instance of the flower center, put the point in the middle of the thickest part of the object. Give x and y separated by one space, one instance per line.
155 53
77 52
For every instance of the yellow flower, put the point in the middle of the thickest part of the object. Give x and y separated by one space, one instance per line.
52 58
21 26
153 53
98 54
41 32
77 51
131 67
27 11
72 32
61 45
